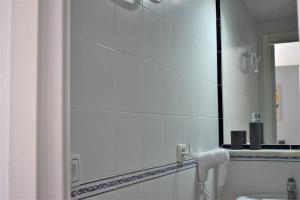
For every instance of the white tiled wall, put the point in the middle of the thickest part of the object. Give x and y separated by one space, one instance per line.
143 79
258 177
240 89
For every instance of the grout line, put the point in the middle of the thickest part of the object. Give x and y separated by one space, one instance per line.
174 68
137 113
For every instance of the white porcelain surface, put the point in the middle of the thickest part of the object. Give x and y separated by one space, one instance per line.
241 177
246 178
271 177
268 196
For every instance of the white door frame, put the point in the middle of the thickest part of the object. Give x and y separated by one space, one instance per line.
34 133
5 51
53 100
268 89
23 100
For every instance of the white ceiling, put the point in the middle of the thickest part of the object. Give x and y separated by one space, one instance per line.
287 54
267 10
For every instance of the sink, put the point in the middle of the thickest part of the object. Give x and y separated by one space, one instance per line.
273 196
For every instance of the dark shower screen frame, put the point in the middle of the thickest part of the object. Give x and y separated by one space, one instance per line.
219 72
220 91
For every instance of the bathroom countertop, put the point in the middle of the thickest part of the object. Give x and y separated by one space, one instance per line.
265 154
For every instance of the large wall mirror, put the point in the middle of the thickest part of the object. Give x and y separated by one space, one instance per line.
254 75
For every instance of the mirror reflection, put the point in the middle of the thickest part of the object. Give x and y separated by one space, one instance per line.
259 73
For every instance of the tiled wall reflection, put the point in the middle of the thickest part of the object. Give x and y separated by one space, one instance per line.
143 79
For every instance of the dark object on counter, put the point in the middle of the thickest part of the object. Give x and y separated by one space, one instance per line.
238 138
256 132
281 141
256 129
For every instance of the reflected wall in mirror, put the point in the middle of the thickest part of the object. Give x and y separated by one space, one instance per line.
287 92
249 28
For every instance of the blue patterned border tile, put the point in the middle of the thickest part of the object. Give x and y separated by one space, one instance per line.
98 187
129 179
265 155
278 158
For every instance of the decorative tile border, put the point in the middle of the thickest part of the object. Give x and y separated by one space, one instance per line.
267 155
94 188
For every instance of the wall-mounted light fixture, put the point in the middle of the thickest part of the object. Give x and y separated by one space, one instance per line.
254 60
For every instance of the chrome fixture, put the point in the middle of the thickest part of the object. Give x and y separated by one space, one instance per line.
291 188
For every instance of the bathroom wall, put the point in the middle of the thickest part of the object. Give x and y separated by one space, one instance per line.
143 79
259 177
240 89
287 77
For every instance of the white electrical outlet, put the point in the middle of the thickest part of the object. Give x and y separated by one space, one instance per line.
181 149
75 168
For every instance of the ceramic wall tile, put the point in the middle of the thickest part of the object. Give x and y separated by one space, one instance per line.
128 27
152 37
92 76
93 20
94 130
156 6
143 79
127 82
129 142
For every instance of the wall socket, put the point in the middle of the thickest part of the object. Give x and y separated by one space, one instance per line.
181 149
75 168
